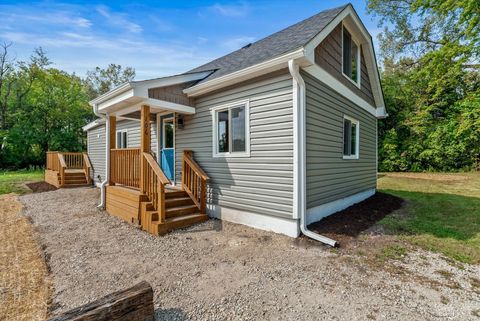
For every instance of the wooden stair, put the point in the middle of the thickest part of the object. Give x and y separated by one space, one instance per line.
73 179
180 212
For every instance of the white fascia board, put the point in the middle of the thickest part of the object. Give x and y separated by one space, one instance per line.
244 74
321 74
93 124
112 93
116 99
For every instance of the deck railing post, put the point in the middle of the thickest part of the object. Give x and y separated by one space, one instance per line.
112 136
144 142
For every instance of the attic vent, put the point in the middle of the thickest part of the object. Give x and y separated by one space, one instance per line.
246 46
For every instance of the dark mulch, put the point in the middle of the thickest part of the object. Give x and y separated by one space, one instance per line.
40 187
346 225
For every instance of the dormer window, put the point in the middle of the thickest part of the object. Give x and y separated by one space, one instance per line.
351 57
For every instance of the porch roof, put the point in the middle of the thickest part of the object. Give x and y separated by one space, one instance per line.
128 97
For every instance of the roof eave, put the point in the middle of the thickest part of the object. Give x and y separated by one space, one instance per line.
245 74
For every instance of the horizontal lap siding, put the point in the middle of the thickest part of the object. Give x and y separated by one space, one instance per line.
133 133
96 151
328 55
96 144
261 183
329 176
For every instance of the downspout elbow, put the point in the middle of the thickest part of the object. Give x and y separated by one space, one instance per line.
300 206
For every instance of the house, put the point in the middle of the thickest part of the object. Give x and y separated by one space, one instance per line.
275 135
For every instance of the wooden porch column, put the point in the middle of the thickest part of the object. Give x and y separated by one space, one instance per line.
144 142
112 136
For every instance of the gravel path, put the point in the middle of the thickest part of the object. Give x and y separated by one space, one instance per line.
223 271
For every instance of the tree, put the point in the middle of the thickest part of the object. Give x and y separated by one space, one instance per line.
431 83
100 81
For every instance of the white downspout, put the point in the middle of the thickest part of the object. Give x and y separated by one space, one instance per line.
107 156
299 158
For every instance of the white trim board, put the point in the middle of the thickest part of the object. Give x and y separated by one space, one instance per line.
279 225
316 213
322 75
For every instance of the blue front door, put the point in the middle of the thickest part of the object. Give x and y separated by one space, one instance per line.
168 148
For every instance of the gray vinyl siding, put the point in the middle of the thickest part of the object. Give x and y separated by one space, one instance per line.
96 151
328 55
96 144
263 182
133 133
329 176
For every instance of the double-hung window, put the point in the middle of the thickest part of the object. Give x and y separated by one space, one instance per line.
351 138
350 57
122 138
231 130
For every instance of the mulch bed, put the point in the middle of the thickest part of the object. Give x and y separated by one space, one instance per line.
40 187
346 225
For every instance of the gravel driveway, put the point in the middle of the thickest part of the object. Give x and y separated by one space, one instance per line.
223 271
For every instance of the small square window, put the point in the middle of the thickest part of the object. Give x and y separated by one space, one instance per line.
351 139
231 130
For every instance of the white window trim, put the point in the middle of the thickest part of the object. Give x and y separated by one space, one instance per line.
357 137
214 112
116 138
359 57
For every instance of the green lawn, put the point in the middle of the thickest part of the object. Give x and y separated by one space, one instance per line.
13 181
442 212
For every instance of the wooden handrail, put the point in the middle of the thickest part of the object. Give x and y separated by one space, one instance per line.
153 185
86 168
156 168
194 181
62 168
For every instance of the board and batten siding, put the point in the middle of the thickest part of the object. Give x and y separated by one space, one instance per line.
263 182
329 176
96 143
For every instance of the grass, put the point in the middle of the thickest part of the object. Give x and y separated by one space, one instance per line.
442 212
392 252
13 181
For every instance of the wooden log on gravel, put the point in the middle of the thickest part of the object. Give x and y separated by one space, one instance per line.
133 304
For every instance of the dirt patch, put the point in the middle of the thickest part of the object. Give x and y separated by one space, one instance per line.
40 187
24 286
346 225
428 176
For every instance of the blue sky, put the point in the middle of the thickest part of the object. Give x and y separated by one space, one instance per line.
157 38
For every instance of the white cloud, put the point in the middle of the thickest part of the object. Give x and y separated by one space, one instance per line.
229 10
118 19
237 42
56 17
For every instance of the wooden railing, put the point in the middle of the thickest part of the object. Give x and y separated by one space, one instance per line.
53 162
125 167
61 161
87 167
73 160
194 181
153 184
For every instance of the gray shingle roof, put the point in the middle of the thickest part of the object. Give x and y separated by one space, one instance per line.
279 43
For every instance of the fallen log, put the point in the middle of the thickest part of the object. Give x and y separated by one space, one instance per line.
133 304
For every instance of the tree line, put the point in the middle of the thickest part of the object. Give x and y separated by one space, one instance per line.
43 108
430 52
430 62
